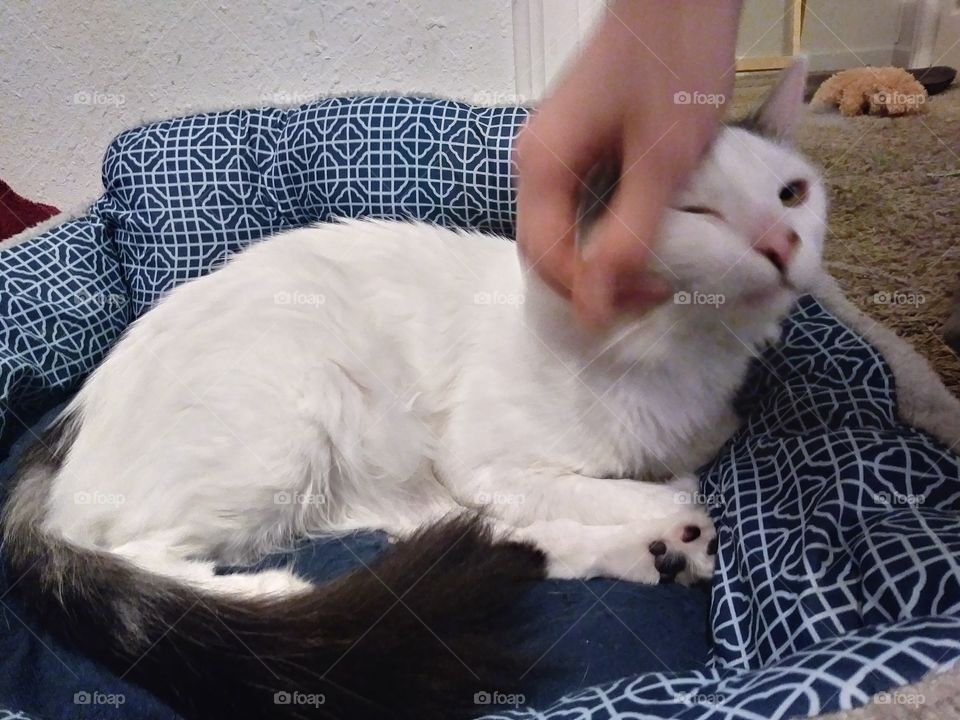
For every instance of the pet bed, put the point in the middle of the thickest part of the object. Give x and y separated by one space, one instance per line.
837 574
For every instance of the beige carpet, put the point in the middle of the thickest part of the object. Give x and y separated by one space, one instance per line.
892 226
895 214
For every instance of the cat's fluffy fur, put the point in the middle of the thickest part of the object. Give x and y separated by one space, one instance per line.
371 374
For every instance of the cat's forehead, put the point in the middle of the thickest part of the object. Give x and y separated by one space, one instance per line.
741 157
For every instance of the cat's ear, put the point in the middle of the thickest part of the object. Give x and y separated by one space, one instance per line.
779 114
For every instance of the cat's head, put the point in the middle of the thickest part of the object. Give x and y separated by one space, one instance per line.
740 241
745 235
738 244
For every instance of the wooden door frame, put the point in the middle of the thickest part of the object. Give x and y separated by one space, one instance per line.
776 62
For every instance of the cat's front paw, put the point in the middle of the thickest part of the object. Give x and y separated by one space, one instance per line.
687 552
680 548
675 546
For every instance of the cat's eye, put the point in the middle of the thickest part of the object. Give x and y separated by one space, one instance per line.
700 210
793 193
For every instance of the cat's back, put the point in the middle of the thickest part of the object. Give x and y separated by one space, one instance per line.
403 276
304 326
401 292
386 255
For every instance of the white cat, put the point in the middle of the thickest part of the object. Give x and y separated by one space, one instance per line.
385 375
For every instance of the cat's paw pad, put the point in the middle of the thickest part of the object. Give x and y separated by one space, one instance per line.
687 551
668 564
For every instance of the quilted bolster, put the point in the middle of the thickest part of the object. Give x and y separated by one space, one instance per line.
191 191
63 303
184 194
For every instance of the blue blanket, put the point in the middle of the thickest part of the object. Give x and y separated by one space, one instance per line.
838 529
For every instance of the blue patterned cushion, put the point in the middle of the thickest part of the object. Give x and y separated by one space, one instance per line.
837 572
224 179
837 575
63 303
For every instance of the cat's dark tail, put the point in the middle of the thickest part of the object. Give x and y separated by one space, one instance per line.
425 632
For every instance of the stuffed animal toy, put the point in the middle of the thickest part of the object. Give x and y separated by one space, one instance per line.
885 91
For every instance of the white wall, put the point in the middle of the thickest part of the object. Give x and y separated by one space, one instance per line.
836 33
853 32
74 74
946 47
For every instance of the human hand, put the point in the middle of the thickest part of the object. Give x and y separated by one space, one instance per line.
622 102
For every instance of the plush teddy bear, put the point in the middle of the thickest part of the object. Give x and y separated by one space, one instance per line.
885 91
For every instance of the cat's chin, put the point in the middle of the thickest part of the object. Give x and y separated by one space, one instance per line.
772 294
756 308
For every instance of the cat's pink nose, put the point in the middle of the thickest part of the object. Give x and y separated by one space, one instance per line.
778 244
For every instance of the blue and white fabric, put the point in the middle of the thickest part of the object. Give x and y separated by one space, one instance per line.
838 572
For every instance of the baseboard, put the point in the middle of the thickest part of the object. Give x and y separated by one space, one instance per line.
856 57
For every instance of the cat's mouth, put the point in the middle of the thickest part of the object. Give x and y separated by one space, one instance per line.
770 292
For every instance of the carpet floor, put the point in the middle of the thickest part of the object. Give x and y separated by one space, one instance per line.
895 213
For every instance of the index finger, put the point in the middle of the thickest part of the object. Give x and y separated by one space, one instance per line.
547 195
612 273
